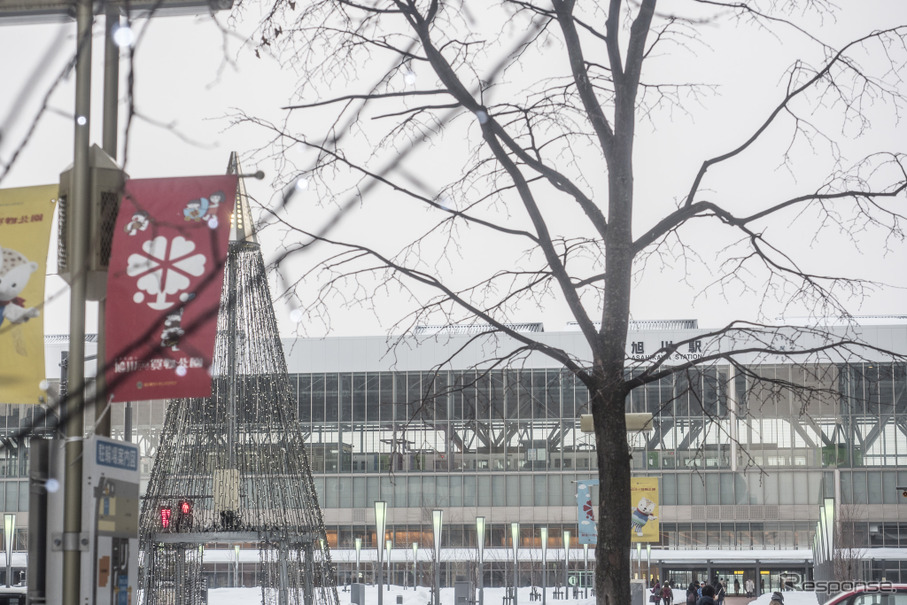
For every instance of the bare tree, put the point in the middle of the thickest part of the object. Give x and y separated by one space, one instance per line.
542 102
849 553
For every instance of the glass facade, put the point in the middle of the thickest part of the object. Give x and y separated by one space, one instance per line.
743 462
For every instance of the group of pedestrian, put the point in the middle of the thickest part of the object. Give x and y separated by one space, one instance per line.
702 593
662 594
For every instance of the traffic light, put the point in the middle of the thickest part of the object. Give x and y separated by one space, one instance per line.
166 516
184 515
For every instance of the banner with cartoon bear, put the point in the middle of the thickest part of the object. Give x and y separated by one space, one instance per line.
164 286
644 515
25 218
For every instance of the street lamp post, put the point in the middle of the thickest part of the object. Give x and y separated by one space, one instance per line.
415 562
358 549
390 569
544 532
566 561
380 521
9 534
480 547
648 563
236 565
515 540
437 518
586 568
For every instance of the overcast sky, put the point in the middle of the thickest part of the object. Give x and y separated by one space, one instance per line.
189 76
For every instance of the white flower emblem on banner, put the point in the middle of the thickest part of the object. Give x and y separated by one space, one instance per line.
164 272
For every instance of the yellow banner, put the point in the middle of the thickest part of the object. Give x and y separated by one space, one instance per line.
644 518
25 218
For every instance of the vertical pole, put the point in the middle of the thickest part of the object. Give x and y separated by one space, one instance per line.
566 561
78 247
586 568
480 545
390 567
179 584
109 135
38 461
544 536
9 534
236 566
732 413
437 520
515 538
232 370
309 596
358 548
649 576
283 597
380 520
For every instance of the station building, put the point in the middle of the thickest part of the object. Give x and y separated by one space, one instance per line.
743 465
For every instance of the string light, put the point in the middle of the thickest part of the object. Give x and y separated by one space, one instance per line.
238 457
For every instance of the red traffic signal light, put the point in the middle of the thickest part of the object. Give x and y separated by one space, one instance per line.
166 515
184 515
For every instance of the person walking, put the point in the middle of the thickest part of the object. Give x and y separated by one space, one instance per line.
656 593
720 593
667 593
692 592
749 586
708 596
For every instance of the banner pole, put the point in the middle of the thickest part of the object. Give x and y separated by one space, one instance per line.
78 244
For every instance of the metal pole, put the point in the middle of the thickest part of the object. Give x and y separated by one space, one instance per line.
437 519
480 545
236 566
566 561
9 534
358 548
38 460
390 567
109 135
283 596
415 562
380 520
544 532
649 576
308 596
515 541
78 251
586 568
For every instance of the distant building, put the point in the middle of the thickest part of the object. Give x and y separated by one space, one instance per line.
743 469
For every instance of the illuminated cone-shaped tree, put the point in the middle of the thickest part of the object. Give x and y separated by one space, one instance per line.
232 469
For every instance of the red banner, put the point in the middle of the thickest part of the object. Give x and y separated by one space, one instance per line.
164 286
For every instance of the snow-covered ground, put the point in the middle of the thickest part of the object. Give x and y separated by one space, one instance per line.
493 596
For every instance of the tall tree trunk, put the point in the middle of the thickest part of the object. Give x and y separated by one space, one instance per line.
612 553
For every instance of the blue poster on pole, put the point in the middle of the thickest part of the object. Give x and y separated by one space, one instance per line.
585 516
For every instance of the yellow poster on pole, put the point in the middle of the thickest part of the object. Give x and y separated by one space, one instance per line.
644 518
25 218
